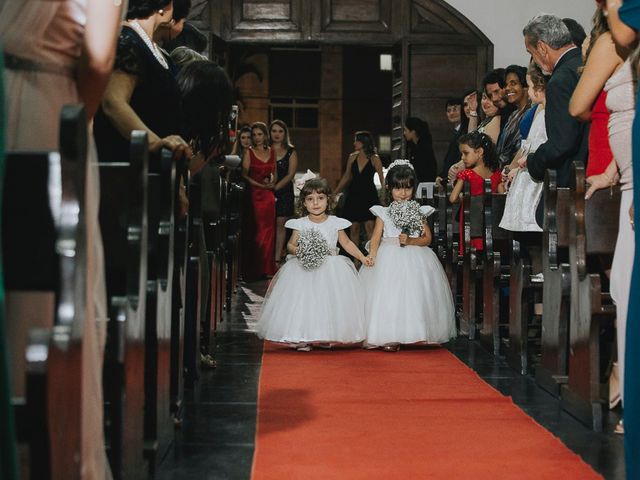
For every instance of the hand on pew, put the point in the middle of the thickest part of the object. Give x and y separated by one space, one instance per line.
175 143
606 179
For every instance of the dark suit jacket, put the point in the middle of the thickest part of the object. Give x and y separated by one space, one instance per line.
567 137
423 159
453 153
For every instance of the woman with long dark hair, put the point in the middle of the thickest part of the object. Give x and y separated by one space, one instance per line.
362 193
286 165
420 149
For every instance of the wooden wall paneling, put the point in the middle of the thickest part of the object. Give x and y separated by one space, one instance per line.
438 72
272 20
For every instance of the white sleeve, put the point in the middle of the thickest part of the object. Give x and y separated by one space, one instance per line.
294 224
377 210
426 210
341 223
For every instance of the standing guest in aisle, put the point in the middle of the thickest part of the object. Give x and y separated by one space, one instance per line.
420 149
549 42
407 294
362 194
59 53
315 298
624 20
287 164
481 162
259 232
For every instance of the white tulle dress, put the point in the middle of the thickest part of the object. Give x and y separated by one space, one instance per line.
325 304
407 295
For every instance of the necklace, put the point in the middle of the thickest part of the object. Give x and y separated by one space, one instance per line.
149 43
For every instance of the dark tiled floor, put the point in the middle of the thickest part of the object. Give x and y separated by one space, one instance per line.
217 437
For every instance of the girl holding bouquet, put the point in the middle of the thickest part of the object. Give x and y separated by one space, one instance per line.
315 298
407 295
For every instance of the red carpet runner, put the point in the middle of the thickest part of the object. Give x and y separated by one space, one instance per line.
418 414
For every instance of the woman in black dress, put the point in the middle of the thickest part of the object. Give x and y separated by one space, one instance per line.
142 93
362 194
286 164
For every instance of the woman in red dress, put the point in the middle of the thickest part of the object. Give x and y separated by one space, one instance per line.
259 172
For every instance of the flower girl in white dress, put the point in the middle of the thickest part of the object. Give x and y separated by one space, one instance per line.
407 295
315 298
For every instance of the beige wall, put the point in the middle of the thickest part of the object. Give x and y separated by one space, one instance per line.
502 21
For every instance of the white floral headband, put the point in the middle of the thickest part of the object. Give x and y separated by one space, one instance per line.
401 161
299 182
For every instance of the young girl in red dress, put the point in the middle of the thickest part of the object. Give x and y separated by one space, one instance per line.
480 162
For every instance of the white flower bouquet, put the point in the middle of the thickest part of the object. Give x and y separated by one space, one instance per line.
407 217
312 248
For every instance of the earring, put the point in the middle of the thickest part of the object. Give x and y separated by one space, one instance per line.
161 12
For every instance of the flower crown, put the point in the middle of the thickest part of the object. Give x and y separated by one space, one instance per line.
401 161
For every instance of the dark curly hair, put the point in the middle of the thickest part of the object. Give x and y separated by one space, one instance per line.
145 8
368 143
207 95
400 176
318 185
476 140
518 71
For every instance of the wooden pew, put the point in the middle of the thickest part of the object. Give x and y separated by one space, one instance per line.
196 283
163 183
495 270
439 243
123 220
214 227
234 194
452 260
593 232
472 260
525 290
181 244
556 290
45 271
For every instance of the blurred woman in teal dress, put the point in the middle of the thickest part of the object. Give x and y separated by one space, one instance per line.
624 20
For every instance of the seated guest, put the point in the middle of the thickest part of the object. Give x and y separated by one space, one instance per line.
549 42
471 110
420 149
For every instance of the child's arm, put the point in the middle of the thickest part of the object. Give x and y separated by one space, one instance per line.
292 245
501 188
351 248
376 236
421 241
457 189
